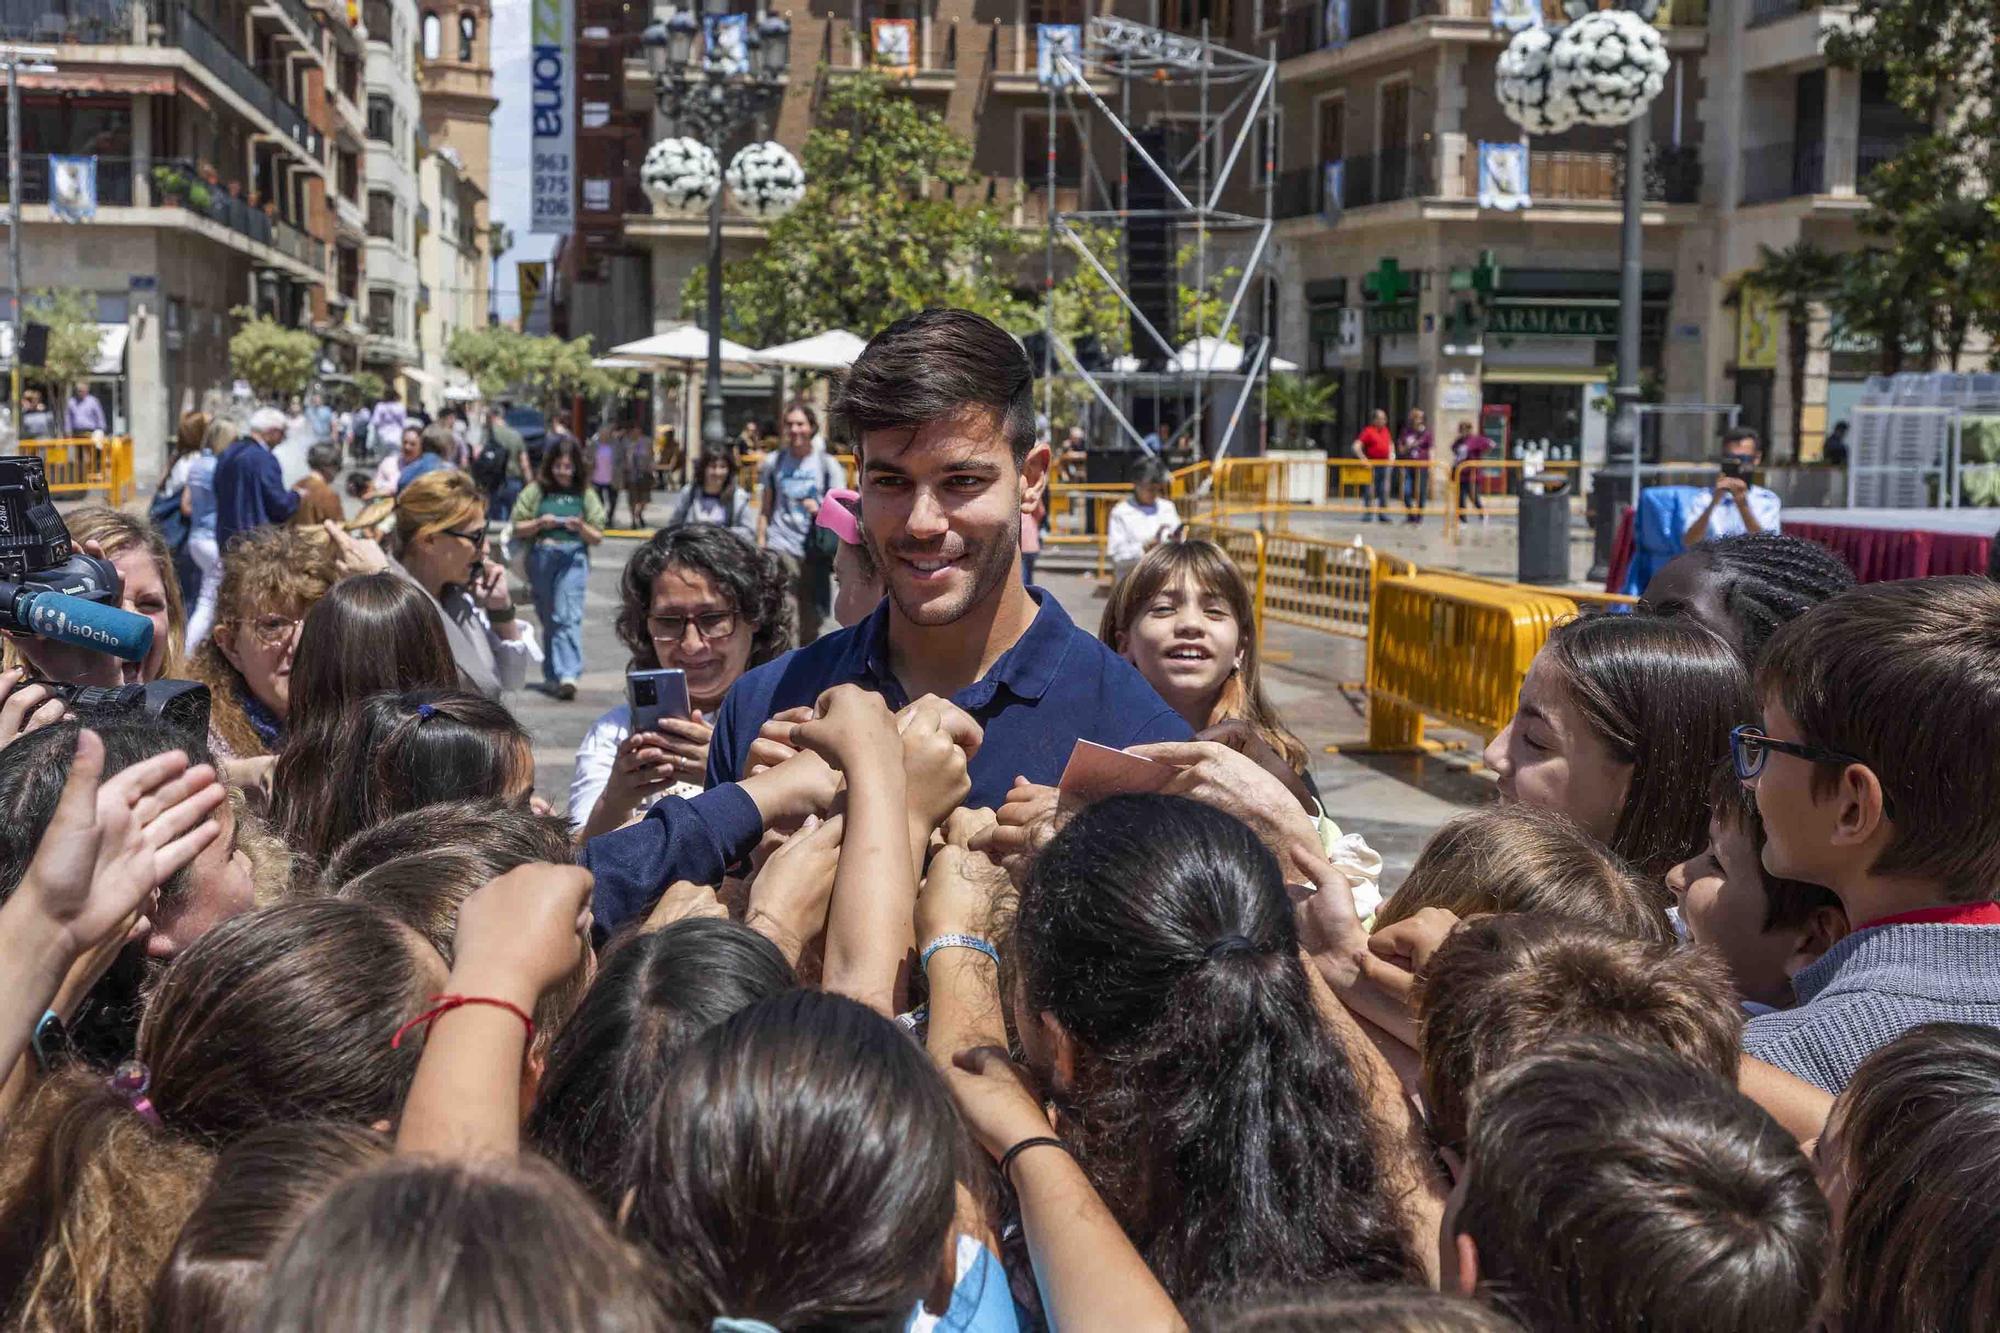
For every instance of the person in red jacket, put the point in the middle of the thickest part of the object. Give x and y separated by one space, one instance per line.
1375 445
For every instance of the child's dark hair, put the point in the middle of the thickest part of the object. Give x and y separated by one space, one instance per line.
1788 903
278 1015
1663 696
490 1244
1218 1116
1516 858
262 1186
801 1170
1501 986
401 752
1613 1186
371 633
1765 579
1918 1134
1905 677
654 993
1351 1309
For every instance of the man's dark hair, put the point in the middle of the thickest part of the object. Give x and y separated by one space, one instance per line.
929 365
1616 1186
1738 434
1905 677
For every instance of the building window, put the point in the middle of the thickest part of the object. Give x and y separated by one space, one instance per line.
382 313
1268 148
382 214
381 118
468 33
596 115
433 32
1035 151
596 195
347 175
1333 129
349 261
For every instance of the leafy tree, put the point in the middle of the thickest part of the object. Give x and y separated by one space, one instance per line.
891 222
369 387
539 367
273 360
71 317
1301 403
1799 277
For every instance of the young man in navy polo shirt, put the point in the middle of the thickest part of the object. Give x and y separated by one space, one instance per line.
942 407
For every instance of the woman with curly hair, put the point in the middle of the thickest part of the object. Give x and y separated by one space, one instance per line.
700 599
274 576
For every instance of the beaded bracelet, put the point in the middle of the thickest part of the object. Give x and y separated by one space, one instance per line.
957 942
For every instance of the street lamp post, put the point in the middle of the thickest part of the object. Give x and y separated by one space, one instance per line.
707 93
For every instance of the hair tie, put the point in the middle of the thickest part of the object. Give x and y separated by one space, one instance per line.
131 1081
1230 944
426 711
723 1323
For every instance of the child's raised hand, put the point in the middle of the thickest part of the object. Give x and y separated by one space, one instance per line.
520 934
850 728
938 739
957 895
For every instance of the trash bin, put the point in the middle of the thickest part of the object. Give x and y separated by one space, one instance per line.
1543 539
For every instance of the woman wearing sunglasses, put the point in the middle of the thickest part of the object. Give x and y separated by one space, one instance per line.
1621 725
439 544
696 598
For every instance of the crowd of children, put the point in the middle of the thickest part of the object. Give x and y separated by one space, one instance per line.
877 1024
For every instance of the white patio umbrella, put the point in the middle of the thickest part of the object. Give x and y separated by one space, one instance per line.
686 348
1221 357
624 363
833 350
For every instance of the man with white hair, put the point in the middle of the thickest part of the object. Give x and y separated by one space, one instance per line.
249 484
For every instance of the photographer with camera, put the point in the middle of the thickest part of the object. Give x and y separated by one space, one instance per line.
1734 505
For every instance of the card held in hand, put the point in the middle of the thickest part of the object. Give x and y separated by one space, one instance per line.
1096 771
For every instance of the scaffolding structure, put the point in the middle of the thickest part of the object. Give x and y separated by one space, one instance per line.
1234 93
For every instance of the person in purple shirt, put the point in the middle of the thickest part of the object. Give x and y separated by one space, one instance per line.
249 484
1415 447
83 414
942 405
385 424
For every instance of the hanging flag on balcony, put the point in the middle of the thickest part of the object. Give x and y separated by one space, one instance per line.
1514 15
1336 23
1051 38
893 43
1333 182
73 188
728 38
1503 176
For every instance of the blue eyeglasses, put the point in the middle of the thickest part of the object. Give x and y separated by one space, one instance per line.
1749 748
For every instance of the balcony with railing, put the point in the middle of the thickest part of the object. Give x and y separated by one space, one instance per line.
300 17
1673 176
1783 171
114 180
379 19
850 44
69 22
1771 11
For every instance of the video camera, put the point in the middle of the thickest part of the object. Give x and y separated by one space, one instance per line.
50 589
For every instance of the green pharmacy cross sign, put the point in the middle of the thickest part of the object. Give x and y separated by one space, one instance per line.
1388 284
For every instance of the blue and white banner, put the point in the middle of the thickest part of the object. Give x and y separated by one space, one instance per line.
1503 176
552 146
1336 23
73 188
1515 15
1051 38
728 38
1332 184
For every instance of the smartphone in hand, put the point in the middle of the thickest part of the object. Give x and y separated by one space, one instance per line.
1732 468
657 694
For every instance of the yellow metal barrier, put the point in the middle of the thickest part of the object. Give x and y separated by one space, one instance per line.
1454 648
80 465
1325 486
1505 501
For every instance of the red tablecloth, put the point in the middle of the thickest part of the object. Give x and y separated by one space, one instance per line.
1876 555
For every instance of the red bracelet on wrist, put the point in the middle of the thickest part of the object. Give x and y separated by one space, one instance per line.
444 1004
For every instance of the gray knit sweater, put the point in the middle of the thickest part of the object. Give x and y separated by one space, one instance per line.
1872 987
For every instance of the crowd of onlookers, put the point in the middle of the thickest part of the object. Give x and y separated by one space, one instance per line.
962 968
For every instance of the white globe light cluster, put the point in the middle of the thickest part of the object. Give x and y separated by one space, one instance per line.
1602 69
766 180
681 175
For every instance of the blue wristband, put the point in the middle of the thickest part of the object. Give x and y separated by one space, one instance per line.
958 942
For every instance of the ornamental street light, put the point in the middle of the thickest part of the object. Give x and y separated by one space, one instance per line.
713 72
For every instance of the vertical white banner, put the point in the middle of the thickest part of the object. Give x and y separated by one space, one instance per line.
552 73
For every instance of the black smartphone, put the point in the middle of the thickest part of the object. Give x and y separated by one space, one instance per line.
1732 468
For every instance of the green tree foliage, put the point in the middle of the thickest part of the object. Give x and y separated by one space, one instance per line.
1931 274
892 221
1798 277
71 316
369 387
541 368
273 360
1298 403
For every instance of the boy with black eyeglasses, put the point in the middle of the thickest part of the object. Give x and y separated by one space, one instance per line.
1877 773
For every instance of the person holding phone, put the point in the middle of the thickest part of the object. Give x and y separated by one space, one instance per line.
1733 505
700 600
561 520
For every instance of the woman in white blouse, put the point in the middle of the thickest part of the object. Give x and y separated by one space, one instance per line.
701 599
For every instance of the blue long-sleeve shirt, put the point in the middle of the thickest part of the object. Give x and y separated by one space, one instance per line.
696 840
249 490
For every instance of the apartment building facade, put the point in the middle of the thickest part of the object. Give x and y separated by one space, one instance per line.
396 145
208 123
1384 242
455 250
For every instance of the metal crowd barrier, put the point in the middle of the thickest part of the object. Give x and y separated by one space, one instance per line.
1506 501
1346 486
81 464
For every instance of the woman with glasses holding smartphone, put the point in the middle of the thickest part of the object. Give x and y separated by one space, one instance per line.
696 598
561 519
439 544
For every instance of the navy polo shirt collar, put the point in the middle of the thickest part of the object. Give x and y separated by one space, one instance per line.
1026 670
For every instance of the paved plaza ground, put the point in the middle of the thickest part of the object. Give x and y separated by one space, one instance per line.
1393 800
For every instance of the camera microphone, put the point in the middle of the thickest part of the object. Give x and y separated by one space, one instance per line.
72 620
